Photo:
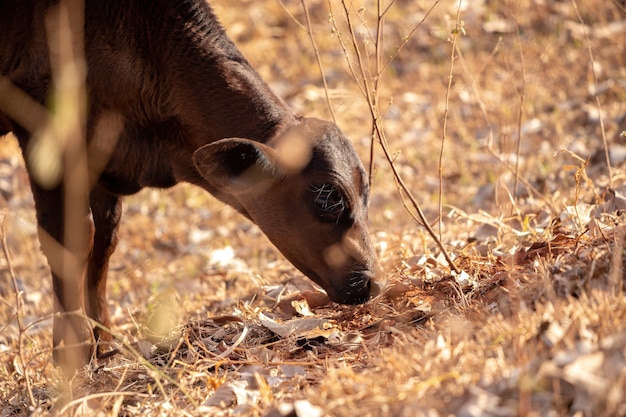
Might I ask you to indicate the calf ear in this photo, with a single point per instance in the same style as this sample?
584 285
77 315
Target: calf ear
237 165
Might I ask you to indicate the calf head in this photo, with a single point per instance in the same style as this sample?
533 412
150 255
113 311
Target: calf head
308 192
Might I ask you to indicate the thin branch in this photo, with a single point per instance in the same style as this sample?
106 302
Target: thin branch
520 114
379 48
408 37
337 32
297 22
309 30
19 305
370 96
365 83
386 8
368 93
595 92
404 188
483 109
455 34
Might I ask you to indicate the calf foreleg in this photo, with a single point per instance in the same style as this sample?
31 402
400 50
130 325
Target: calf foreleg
67 244
106 209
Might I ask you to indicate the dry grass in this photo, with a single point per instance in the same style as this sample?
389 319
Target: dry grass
213 321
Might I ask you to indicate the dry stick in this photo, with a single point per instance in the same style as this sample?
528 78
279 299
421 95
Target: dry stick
520 115
578 176
379 48
422 217
337 32
309 30
362 88
378 42
595 93
296 21
379 132
357 50
21 107
616 270
380 70
19 304
371 99
408 37
65 30
371 94
77 401
483 109
455 35
386 8
151 369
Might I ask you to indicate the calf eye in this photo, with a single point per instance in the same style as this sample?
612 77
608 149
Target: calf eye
328 201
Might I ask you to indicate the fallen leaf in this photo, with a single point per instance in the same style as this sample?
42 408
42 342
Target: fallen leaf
296 327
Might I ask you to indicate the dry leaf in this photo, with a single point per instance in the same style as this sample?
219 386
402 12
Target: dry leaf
145 348
295 327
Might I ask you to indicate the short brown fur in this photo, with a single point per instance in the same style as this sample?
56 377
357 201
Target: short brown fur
171 99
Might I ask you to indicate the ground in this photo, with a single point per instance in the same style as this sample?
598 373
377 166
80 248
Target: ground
505 121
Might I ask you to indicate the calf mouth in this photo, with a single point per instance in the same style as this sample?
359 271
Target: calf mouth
357 289
355 286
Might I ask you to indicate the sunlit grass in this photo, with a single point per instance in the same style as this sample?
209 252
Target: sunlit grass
515 335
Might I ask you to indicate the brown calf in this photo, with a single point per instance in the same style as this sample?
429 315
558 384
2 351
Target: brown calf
171 99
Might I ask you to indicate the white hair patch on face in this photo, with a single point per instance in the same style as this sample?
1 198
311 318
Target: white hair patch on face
329 200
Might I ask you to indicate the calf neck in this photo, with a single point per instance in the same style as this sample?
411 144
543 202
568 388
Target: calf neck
171 99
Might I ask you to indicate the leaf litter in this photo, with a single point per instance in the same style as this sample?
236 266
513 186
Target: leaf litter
210 320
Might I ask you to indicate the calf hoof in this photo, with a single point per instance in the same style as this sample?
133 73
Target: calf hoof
104 340
73 342
106 347
106 352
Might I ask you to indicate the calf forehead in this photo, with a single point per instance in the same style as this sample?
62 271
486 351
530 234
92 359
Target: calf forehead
339 155
334 156
327 141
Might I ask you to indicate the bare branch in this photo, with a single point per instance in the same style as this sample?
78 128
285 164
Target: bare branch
409 36
520 114
309 30
455 33
595 92
366 83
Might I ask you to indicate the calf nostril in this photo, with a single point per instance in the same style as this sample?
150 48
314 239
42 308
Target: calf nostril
356 289
359 280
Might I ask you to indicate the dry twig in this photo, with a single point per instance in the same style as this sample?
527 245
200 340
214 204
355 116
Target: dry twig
595 92
455 34
369 86
19 307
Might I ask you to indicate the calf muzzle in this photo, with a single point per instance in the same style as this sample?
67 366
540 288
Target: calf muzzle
356 291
